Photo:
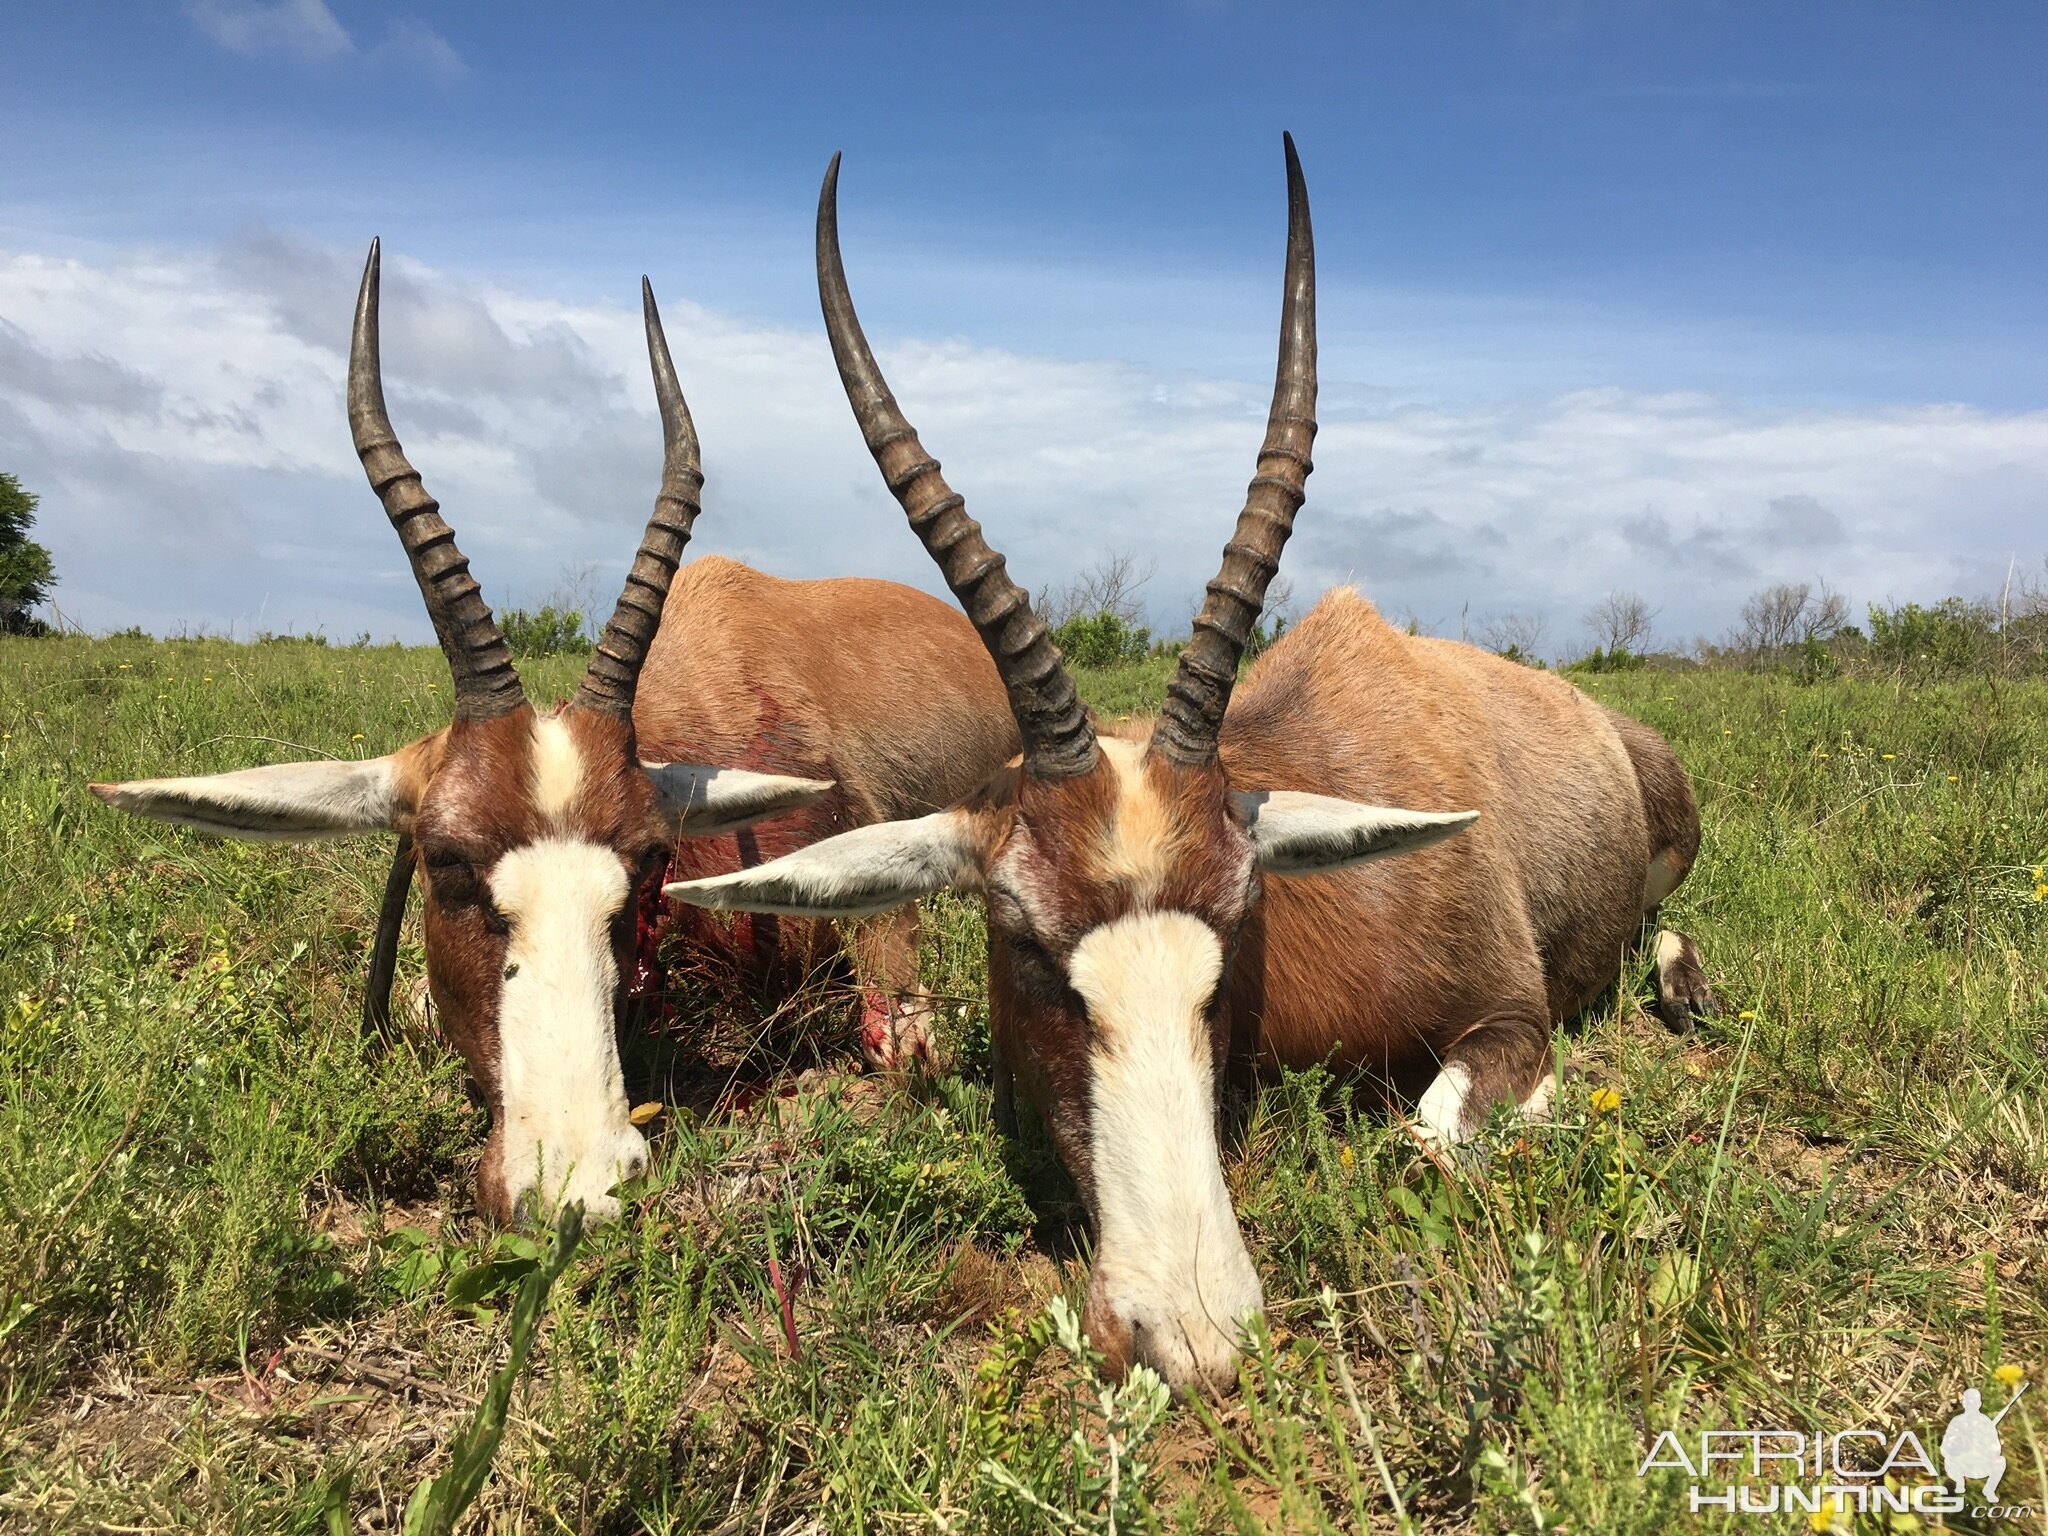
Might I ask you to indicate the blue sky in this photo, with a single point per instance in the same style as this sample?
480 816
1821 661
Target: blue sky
1542 230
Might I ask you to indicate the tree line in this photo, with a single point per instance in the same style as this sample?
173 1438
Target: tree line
1097 618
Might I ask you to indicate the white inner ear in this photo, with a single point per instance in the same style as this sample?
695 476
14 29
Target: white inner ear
286 802
705 801
1301 834
870 869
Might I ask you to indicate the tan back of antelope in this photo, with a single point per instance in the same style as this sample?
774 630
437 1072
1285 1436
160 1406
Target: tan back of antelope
1198 890
534 829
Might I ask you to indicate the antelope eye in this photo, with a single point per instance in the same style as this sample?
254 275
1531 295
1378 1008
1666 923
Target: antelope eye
1025 945
452 878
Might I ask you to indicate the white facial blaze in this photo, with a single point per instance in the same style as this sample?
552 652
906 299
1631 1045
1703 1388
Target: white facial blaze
557 766
1170 1260
565 1126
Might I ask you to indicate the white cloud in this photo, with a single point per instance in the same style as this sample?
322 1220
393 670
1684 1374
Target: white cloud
307 32
296 29
412 43
181 414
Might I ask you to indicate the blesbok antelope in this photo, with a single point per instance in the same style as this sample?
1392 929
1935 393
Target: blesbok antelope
535 829
1140 944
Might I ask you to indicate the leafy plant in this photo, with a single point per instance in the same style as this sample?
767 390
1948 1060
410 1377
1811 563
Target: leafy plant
1098 1476
439 1502
1101 640
544 631
1617 658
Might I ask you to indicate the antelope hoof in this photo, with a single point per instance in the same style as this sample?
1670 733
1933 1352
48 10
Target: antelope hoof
1684 996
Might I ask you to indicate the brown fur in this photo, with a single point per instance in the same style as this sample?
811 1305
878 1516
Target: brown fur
1521 919
876 685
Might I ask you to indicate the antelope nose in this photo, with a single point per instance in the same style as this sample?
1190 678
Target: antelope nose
633 1155
1193 1347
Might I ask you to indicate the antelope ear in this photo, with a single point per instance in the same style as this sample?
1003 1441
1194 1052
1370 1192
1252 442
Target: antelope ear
703 802
283 803
1299 834
870 869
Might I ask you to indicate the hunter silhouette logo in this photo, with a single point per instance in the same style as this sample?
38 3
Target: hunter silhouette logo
1969 1446
1827 1473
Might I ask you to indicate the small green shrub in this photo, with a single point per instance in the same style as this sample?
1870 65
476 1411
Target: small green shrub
1945 639
545 631
1101 640
1619 659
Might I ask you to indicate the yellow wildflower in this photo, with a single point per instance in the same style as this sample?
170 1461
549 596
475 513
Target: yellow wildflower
2041 891
1955 778
1823 757
2008 1376
1747 1013
125 667
1727 733
1605 1101
1825 1518
1888 756
1347 1157
357 737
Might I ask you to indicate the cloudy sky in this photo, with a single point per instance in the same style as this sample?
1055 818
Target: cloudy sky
1681 299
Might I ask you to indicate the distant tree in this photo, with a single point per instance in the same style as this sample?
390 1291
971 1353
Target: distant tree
1517 636
1110 586
1620 622
26 572
1788 616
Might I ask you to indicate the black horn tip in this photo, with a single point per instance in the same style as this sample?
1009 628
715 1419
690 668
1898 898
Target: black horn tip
657 339
366 295
828 204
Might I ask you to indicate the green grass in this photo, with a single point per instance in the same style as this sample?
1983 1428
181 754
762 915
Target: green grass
241 1286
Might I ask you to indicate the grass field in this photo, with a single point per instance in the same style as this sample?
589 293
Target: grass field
241 1287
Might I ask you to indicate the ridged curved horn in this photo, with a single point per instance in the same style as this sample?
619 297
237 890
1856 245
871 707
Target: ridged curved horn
614 670
1058 740
486 684
1200 691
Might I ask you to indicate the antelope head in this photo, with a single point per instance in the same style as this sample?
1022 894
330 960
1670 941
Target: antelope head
532 829
1118 873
